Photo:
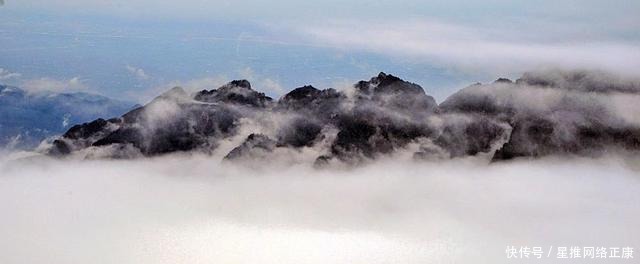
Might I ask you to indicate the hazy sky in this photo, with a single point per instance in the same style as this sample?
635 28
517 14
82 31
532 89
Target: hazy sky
136 48
595 12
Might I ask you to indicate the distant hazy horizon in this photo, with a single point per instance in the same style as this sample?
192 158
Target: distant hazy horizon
133 50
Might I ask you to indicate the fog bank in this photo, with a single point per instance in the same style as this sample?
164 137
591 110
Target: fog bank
196 209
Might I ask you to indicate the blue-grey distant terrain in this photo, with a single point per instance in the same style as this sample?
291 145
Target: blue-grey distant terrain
26 118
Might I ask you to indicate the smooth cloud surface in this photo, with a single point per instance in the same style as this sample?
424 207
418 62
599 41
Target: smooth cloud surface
196 209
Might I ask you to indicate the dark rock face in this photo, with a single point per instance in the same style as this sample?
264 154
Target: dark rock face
323 105
238 91
365 135
392 92
477 99
503 80
171 122
299 133
386 113
255 146
59 148
472 136
86 130
538 115
84 135
536 137
555 114
356 137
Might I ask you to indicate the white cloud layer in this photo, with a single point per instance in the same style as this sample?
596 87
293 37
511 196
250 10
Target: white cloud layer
41 85
496 51
194 209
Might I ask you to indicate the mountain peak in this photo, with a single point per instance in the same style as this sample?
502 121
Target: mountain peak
384 79
240 83
236 91
503 80
384 114
301 92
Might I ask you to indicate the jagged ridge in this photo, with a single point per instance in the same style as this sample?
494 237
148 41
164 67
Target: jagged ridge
538 115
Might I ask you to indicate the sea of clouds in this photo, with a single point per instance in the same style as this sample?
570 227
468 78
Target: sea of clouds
198 209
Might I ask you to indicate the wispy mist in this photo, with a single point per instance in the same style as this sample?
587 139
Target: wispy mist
493 49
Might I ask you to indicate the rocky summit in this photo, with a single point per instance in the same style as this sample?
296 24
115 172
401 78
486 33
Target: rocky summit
543 113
